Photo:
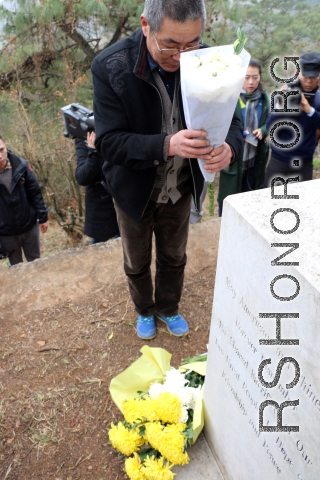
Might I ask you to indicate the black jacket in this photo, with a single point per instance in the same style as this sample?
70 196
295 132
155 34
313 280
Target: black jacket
128 119
307 126
100 216
20 210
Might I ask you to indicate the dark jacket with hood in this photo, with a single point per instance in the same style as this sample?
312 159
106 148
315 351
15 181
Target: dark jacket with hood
20 209
100 215
128 119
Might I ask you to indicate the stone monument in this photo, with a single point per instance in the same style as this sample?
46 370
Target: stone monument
262 390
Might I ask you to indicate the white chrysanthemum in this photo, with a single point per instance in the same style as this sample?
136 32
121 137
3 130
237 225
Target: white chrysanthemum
184 415
186 396
175 379
196 394
216 55
216 61
232 60
214 69
155 390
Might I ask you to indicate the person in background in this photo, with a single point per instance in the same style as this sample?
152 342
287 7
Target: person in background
253 109
297 161
150 155
100 216
22 208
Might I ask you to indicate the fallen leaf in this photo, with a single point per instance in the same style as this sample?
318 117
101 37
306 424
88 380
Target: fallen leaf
41 343
10 440
105 305
23 335
104 355
110 336
49 347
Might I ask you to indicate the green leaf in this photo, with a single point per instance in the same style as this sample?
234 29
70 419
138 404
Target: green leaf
188 433
146 451
197 358
240 42
195 379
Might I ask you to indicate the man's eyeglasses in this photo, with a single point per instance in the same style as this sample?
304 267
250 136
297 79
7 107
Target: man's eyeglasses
174 51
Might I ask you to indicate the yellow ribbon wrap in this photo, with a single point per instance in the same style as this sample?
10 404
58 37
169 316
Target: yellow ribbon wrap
151 367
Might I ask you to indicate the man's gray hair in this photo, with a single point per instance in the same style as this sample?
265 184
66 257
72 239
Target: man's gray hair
179 11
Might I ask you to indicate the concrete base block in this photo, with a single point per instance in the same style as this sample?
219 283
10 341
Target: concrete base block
202 463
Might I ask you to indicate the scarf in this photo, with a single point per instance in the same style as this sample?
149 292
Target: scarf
251 123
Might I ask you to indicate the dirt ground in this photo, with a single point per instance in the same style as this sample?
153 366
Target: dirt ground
67 328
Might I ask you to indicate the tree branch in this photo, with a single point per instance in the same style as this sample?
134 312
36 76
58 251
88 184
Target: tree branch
118 31
71 32
37 61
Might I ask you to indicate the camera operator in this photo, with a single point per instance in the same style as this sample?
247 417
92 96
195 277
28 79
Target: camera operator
288 162
100 216
22 208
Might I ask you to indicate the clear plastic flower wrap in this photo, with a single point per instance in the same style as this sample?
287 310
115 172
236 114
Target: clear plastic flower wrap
211 82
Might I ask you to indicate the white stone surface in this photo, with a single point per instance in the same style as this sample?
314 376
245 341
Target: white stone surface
233 392
202 466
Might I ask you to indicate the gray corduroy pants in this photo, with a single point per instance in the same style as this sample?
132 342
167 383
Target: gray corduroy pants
170 224
29 242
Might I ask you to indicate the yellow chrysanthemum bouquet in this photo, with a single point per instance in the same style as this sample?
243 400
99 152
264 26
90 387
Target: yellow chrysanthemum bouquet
162 409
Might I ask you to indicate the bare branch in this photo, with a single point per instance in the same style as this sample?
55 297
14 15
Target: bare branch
71 32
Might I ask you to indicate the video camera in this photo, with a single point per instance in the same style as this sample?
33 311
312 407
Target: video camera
78 121
296 99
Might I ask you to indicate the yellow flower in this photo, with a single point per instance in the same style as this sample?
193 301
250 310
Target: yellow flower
153 433
132 467
173 444
124 440
168 407
154 469
137 408
169 441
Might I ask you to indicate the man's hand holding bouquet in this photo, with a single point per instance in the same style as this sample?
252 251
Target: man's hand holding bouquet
211 81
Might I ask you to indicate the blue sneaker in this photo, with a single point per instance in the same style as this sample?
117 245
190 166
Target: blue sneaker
176 324
146 327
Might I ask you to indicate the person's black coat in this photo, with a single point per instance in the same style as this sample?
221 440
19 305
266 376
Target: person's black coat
128 122
100 216
20 209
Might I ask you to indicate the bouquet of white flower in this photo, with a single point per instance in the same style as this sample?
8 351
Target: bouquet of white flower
211 82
